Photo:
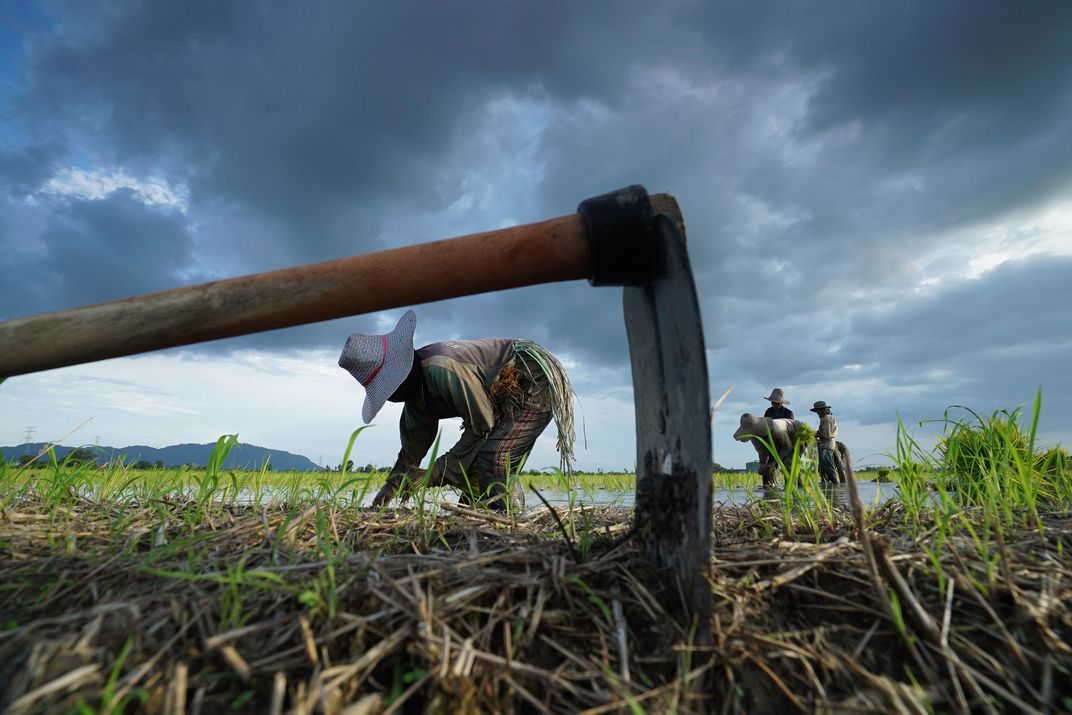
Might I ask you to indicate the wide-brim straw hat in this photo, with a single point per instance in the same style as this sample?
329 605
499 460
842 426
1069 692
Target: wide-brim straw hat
820 405
777 396
380 362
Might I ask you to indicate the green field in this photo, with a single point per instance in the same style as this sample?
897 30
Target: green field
174 590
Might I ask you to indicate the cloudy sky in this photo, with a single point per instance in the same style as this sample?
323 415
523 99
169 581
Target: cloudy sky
878 198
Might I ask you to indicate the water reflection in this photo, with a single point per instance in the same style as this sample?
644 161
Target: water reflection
872 494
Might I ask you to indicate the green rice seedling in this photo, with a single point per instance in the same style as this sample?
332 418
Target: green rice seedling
322 597
820 511
208 484
992 462
468 487
617 482
685 670
567 485
331 493
242 700
514 486
236 490
584 542
293 512
977 456
554 479
403 676
944 511
898 617
805 439
622 691
364 485
350 447
232 614
792 494
109 704
987 556
289 492
511 487
57 484
257 485
219 453
165 551
109 485
420 493
236 584
319 595
913 466
731 481
593 598
7 483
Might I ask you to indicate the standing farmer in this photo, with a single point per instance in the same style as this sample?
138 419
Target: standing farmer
505 390
778 409
831 468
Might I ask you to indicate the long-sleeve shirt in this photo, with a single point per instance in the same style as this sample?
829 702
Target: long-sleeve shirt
779 412
826 436
457 377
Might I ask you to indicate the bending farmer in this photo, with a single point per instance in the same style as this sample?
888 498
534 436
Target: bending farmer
505 391
777 411
775 441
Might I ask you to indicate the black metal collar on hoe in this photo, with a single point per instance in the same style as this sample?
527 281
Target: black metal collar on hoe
624 238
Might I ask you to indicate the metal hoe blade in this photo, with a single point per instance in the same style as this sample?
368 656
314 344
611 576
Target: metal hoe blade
670 390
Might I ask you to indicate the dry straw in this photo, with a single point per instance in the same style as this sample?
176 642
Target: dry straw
325 610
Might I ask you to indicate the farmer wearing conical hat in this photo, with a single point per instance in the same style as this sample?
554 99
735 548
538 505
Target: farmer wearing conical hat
778 409
505 390
831 468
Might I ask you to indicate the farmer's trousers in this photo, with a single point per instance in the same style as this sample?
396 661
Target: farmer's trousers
499 460
492 476
831 468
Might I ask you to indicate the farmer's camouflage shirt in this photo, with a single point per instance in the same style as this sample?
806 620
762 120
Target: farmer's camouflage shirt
458 377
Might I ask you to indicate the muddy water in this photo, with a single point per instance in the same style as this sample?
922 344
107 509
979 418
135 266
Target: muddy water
871 493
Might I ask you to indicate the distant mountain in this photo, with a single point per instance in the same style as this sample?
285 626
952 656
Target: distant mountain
241 456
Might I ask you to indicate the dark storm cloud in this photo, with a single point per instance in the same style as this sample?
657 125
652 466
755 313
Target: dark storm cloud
307 112
304 111
997 337
24 169
97 250
816 155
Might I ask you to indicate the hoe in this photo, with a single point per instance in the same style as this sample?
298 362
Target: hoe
624 238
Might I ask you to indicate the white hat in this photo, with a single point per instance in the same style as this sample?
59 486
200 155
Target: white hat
380 362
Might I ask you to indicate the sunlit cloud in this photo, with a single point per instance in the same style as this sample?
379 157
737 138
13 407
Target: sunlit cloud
97 184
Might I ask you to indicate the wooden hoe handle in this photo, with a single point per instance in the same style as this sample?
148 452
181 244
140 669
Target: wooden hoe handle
558 249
